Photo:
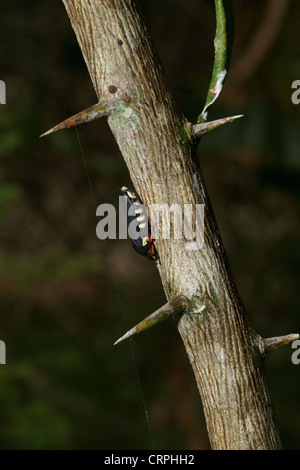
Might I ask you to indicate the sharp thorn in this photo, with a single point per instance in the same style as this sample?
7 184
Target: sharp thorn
277 341
205 127
127 335
87 115
177 305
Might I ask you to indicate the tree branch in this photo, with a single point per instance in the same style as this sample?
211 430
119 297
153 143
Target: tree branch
261 43
157 144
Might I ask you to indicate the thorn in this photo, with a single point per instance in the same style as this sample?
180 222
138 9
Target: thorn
177 305
90 114
129 333
277 341
205 127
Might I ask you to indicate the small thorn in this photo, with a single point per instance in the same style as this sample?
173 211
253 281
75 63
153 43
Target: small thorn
177 305
205 127
277 341
87 115
127 335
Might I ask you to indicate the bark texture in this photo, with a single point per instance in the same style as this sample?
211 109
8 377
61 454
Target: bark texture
157 144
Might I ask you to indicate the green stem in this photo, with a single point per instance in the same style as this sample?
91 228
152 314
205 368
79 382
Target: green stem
223 44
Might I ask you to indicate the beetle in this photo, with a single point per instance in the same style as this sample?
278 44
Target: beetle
137 213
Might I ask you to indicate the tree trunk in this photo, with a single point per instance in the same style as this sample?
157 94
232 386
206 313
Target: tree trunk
157 144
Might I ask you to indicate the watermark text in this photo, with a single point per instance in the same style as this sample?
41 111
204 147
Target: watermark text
186 221
2 92
296 94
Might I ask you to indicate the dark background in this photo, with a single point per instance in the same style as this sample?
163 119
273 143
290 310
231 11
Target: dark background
66 296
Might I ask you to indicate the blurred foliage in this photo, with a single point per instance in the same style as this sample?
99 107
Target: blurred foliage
65 296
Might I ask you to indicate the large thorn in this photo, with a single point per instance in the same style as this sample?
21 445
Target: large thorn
90 114
177 305
277 341
200 129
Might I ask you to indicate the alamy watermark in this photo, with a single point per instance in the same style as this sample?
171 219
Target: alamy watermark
2 92
296 94
296 354
188 222
2 352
